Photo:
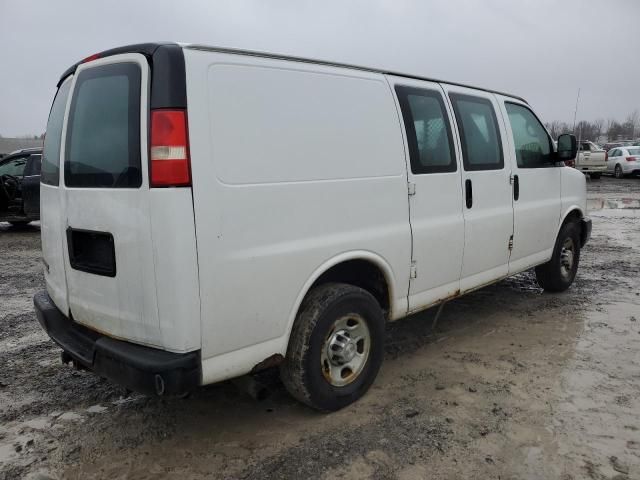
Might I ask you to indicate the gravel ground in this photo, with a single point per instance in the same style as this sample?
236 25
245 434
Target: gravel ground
512 383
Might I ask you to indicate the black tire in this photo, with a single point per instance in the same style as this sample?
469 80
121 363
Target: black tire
618 172
302 371
594 176
20 223
555 275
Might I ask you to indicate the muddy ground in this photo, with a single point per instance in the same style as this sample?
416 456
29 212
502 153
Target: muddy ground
512 383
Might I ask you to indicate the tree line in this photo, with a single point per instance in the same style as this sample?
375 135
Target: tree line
34 137
629 129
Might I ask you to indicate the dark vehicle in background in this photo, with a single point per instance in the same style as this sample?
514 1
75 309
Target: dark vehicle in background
611 145
20 186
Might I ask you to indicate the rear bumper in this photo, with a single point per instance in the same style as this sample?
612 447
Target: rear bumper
142 369
585 231
592 168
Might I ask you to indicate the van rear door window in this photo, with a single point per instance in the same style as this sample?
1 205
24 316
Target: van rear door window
103 133
479 132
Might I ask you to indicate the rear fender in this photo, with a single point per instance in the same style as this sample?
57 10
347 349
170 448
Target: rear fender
397 307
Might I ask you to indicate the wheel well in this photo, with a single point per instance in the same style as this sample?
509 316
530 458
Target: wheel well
575 216
363 274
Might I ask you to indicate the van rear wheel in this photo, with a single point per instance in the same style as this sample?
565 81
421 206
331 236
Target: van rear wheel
558 273
336 347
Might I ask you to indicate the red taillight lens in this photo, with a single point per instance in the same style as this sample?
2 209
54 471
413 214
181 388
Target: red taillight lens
630 159
570 163
606 156
169 149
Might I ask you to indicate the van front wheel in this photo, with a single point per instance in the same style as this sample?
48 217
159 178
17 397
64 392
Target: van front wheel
558 273
336 347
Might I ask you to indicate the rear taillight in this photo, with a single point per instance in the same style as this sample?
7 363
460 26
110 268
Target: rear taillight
631 159
606 156
169 149
570 163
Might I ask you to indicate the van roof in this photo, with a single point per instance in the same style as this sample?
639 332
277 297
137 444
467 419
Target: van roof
148 50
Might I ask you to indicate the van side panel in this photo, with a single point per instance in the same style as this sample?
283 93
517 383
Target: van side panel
176 267
293 164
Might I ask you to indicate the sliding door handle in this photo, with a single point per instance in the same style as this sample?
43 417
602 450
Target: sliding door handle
516 187
468 193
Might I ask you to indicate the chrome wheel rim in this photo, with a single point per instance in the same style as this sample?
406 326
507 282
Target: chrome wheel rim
618 171
567 256
345 350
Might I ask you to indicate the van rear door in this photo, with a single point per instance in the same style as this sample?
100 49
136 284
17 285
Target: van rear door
106 234
51 224
118 229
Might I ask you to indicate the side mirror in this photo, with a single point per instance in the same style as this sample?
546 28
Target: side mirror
567 147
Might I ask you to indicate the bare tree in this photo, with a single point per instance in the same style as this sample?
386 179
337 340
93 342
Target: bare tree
598 124
557 128
634 121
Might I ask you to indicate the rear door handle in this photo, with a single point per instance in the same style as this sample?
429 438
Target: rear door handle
468 192
516 187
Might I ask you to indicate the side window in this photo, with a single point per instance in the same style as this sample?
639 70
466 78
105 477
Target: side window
33 167
14 167
531 141
428 130
51 154
615 153
479 132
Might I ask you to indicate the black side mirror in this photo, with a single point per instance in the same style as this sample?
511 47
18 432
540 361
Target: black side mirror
567 147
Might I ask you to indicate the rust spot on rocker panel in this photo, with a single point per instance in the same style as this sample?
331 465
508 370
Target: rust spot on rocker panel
272 361
436 302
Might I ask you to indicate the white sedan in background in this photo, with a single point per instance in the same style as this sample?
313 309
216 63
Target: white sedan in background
624 161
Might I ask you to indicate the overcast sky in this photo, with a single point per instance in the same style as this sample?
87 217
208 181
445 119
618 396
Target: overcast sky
542 50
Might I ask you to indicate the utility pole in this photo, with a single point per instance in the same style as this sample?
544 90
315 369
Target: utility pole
575 113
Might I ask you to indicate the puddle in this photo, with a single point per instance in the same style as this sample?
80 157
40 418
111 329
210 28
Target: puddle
614 204
599 400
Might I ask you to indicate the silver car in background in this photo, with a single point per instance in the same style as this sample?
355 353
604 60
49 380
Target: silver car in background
624 161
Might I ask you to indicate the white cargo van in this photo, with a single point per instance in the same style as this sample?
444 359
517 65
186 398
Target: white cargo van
208 212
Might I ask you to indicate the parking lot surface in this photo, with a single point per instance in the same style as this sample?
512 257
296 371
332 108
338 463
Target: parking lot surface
512 383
